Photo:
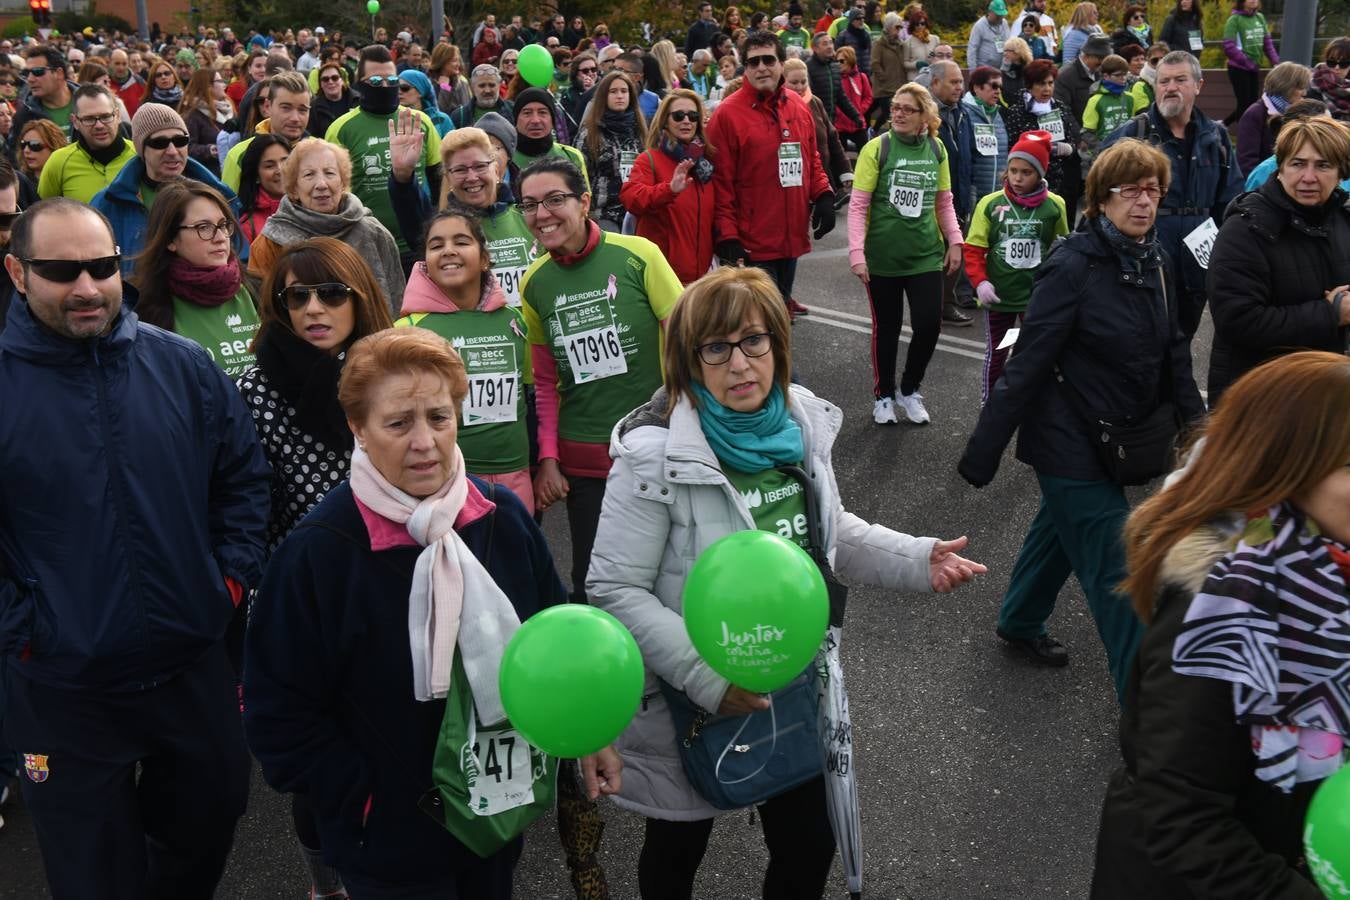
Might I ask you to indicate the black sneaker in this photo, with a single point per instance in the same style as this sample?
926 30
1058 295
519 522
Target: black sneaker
953 316
1042 649
967 303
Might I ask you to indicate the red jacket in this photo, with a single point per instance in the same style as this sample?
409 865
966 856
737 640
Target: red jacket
858 88
750 206
131 94
680 224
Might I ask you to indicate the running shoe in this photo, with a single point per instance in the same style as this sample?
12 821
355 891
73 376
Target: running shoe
883 411
913 406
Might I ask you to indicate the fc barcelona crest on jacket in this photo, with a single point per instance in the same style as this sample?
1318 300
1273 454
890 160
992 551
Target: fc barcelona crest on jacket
35 764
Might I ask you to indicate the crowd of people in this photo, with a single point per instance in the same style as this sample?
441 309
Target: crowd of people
294 326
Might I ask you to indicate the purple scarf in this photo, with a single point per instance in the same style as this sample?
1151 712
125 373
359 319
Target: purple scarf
204 286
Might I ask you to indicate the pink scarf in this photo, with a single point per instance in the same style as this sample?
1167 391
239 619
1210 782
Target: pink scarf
453 602
423 296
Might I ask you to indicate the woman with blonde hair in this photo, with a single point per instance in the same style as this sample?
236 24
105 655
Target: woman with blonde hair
902 236
1082 25
797 80
1237 708
665 54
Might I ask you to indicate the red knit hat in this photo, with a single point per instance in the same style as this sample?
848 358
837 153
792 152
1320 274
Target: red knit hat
1033 147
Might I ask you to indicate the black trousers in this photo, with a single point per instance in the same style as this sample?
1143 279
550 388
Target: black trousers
584 498
796 831
104 833
1246 90
782 271
887 298
489 879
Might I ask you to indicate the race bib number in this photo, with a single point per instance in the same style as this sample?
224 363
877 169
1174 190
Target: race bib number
590 337
509 279
1201 241
1022 253
498 771
790 166
494 383
1197 42
626 160
907 193
1052 122
986 140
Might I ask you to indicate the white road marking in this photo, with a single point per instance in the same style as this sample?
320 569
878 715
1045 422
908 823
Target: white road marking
905 334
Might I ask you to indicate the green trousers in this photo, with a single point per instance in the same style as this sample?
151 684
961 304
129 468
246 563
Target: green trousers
1077 530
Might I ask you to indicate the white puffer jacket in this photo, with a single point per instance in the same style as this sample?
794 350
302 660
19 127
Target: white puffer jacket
666 501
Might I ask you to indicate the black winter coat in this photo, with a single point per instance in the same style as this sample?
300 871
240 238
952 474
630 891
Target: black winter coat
1108 328
860 39
1269 270
828 84
1187 817
1019 119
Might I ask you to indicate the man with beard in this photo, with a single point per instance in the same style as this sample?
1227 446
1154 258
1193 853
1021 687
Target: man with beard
1205 177
82 169
486 84
133 446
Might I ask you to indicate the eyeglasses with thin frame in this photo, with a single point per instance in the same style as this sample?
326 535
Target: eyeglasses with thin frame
718 353
906 110
64 271
207 230
331 294
756 61
479 168
1133 191
553 203
99 119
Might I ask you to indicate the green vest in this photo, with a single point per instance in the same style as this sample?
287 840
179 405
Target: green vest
511 248
903 237
226 331
492 430
776 502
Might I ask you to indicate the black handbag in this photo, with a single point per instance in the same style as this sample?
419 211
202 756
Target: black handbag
1137 449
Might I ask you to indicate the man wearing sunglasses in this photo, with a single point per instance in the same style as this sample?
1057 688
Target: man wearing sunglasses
49 93
768 182
160 139
82 169
136 495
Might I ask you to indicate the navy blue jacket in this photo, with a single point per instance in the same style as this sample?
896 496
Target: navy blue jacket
328 683
957 137
131 483
1205 179
1107 327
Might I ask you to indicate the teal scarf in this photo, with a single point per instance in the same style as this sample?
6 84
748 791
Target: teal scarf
750 442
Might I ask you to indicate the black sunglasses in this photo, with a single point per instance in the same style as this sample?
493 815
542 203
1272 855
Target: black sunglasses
1339 63
331 294
754 61
684 115
34 146
8 219
164 140
64 271
36 71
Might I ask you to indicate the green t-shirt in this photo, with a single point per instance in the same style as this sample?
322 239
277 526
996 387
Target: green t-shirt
148 195
512 248
903 237
225 331
601 321
1105 112
1250 34
1018 240
61 116
571 154
776 502
492 431
366 138
799 38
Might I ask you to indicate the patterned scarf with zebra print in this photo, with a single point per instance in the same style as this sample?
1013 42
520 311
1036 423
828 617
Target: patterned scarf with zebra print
1273 618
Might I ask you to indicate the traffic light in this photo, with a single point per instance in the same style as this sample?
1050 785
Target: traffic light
41 11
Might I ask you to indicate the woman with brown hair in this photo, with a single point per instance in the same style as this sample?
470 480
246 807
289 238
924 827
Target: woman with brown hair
189 278
205 109
163 85
1236 709
611 137
447 73
35 145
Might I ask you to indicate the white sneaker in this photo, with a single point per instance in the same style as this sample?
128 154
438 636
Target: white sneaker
883 411
913 407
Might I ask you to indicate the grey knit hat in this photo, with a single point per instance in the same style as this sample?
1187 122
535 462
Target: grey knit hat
1098 45
152 117
496 125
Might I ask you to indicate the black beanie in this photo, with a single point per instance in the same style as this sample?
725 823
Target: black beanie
532 95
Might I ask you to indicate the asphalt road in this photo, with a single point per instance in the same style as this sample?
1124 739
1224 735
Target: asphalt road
979 775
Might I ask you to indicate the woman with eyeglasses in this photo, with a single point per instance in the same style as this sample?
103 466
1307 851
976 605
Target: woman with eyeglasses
262 182
594 306
725 426
1100 343
610 139
189 279
319 203
1331 79
164 85
333 97
35 145
670 189
205 110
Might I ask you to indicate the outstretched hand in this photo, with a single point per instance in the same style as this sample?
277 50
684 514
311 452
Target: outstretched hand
946 570
406 142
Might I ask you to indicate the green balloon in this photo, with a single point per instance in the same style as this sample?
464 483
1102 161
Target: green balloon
535 66
373 6
756 609
571 679
1326 835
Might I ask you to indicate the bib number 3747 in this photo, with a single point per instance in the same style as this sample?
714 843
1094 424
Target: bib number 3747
790 167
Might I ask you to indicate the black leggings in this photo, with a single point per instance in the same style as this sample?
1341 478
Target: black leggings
796 831
886 295
1246 90
584 499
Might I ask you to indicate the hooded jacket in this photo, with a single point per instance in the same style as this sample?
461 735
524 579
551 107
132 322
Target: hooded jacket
1270 267
133 485
666 501
750 206
422 84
